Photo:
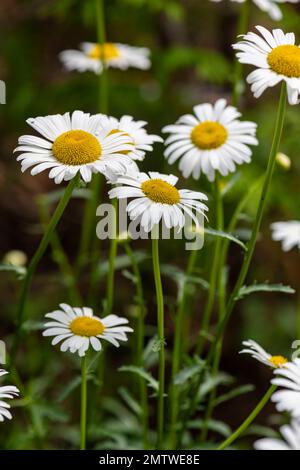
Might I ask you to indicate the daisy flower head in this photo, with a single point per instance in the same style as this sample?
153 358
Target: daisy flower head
6 392
91 56
290 441
78 328
71 144
268 6
276 58
288 233
212 139
156 198
288 397
258 353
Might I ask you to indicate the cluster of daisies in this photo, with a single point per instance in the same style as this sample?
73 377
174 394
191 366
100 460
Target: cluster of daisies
287 398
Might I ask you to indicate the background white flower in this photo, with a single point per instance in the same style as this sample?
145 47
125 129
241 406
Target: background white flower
156 198
269 6
71 144
213 139
116 55
290 441
6 392
258 353
288 233
288 398
78 328
276 58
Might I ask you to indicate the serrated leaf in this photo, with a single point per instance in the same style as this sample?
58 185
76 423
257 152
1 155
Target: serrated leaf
68 389
214 381
188 373
228 236
212 425
246 290
130 401
234 393
141 373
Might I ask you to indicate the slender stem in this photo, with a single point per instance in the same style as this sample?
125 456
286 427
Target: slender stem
160 326
242 27
177 349
101 37
242 428
112 261
140 334
35 261
83 403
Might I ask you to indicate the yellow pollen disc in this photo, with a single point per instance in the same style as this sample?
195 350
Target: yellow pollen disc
104 51
285 60
209 135
160 191
76 148
86 326
278 361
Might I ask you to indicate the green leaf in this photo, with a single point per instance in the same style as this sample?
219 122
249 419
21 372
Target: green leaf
212 382
228 236
234 393
130 401
141 373
122 262
188 373
246 290
212 425
68 389
19 271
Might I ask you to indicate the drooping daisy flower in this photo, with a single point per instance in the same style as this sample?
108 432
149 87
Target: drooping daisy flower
91 57
269 6
288 398
258 353
73 144
290 441
276 57
156 198
288 233
6 392
211 140
78 329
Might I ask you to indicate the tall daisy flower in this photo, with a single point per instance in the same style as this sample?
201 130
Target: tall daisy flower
258 353
269 6
276 58
156 198
288 233
77 329
212 139
6 392
91 57
288 397
72 144
290 441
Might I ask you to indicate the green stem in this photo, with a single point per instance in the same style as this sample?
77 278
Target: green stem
112 261
140 334
101 37
35 261
161 339
83 403
242 27
249 420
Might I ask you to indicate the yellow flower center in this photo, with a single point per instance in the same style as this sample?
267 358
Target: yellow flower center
209 135
278 361
86 326
76 148
160 191
104 51
285 60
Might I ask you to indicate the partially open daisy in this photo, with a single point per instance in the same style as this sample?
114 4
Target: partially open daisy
290 441
288 398
71 144
269 6
78 328
156 198
6 392
213 139
258 353
276 57
91 57
288 233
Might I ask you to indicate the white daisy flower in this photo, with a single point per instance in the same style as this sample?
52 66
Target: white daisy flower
269 6
276 58
211 140
71 144
258 353
91 55
288 398
6 392
78 329
290 441
288 233
156 198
